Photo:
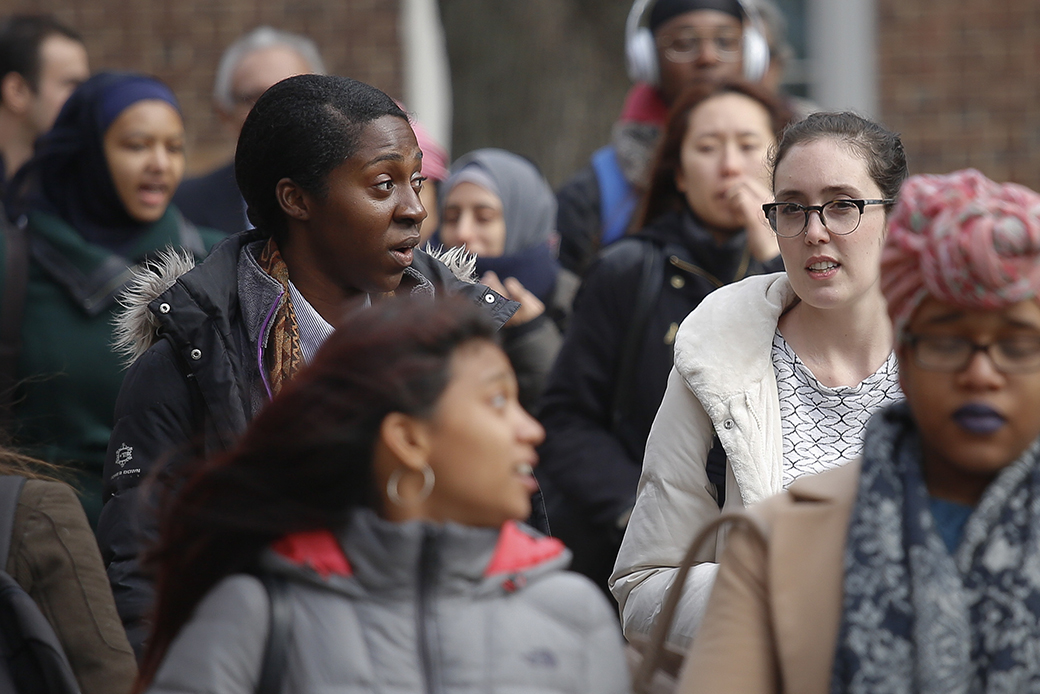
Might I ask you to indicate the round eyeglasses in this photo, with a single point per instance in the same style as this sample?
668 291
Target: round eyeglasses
790 219
686 47
1009 355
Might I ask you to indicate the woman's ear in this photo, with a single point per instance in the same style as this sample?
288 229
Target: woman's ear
293 199
407 438
680 180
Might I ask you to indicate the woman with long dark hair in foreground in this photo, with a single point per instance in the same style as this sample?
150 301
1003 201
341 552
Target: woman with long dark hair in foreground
384 483
331 172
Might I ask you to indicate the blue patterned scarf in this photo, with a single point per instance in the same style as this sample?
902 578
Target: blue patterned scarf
916 618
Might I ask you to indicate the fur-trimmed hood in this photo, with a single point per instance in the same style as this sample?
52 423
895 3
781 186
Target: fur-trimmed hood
461 262
136 327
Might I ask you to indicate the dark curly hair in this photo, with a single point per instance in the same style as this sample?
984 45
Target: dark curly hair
301 129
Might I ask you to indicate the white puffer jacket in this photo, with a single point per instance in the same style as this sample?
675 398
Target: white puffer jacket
412 607
723 382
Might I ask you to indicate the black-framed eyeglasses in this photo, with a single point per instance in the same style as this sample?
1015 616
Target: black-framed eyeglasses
685 47
1009 355
790 219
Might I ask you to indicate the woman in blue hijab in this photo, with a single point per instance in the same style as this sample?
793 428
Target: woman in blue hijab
91 206
499 207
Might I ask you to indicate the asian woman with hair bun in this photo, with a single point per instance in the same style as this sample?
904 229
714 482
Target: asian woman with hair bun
702 228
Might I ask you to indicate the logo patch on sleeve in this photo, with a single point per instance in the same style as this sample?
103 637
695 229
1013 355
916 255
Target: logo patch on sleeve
124 454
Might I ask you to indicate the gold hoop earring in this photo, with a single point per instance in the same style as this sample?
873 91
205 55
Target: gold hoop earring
395 479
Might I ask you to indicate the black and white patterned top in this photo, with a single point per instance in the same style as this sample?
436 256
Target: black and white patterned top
823 427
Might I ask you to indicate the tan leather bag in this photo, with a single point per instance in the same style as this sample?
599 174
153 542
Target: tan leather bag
652 661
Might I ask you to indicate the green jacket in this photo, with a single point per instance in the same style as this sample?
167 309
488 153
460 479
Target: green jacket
69 376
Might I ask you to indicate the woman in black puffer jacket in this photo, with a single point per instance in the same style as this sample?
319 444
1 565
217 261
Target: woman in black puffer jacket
331 172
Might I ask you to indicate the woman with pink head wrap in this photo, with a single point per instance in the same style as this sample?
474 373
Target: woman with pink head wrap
962 239
920 563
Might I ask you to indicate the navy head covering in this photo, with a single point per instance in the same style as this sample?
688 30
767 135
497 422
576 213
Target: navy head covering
663 10
529 211
69 175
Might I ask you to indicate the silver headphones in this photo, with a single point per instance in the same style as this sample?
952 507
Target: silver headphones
641 49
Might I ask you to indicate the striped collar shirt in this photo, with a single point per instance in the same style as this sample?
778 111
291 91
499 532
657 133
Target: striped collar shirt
314 329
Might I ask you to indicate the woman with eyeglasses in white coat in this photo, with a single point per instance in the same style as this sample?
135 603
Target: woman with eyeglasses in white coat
784 369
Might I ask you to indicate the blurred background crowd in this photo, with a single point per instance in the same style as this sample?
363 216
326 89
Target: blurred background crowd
607 164
546 78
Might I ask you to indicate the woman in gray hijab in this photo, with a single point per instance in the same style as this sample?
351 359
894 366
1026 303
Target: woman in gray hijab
499 207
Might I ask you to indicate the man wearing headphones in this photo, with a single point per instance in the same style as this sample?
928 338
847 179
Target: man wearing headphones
669 45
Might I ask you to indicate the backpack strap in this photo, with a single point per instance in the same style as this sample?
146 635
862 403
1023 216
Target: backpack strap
651 279
93 292
276 652
617 197
10 491
650 285
16 282
97 290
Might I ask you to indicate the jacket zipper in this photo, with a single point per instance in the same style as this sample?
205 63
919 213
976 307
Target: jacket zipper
425 632
745 261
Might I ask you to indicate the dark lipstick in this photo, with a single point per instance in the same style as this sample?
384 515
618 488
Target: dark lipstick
979 419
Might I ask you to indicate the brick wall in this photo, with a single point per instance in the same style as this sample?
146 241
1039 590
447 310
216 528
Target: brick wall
960 79
181 42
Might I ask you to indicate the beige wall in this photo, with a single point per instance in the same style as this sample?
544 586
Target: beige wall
960 79
181 42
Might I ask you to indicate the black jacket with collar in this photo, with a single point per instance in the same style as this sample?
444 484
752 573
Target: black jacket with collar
195 385
589 466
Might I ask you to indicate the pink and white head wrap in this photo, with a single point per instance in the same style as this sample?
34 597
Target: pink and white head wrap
435 157
962 239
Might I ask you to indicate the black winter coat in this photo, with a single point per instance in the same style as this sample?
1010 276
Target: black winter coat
196 389
590 467
578 221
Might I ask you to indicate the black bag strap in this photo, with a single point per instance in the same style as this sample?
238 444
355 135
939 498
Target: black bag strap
10 490
16 282
655 651
93 292
276 652
651 278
